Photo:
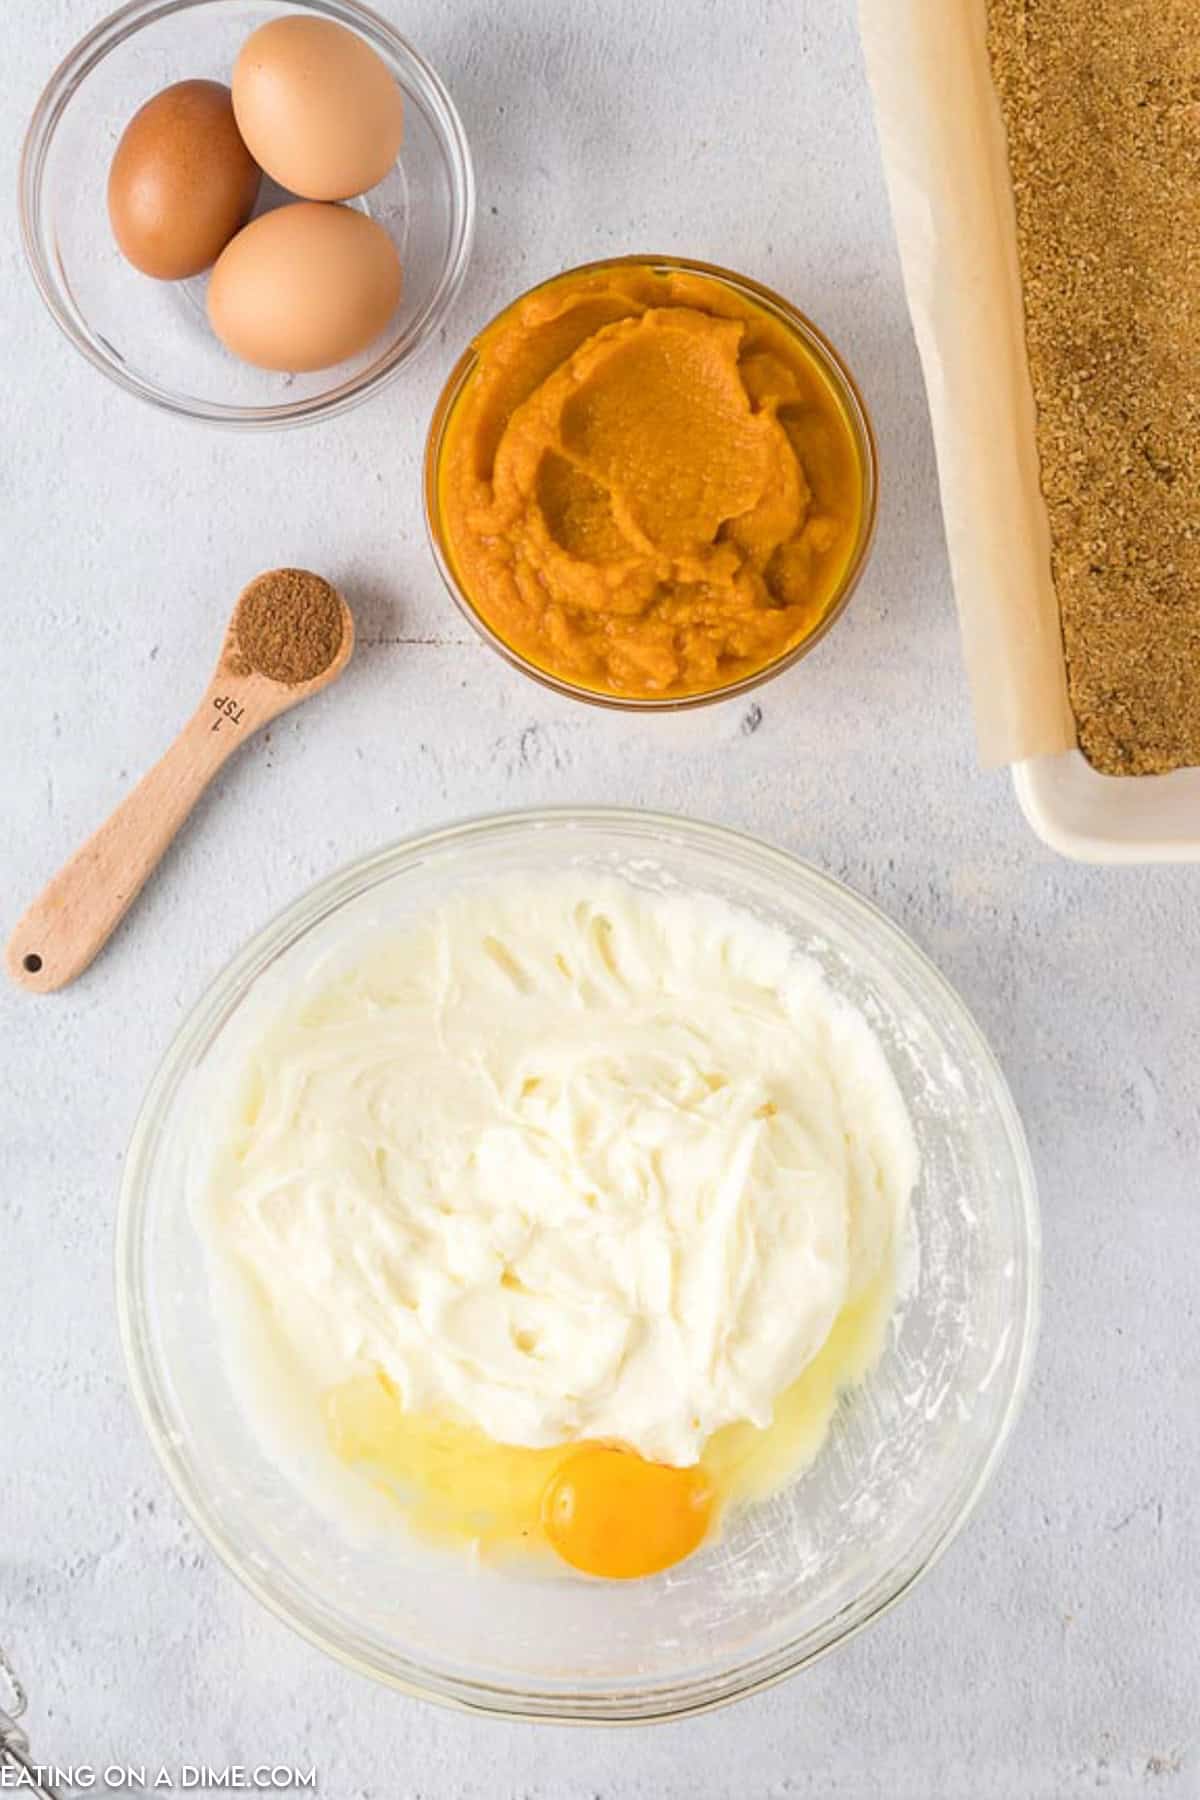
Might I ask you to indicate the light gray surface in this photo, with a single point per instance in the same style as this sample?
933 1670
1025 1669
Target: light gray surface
1055 1650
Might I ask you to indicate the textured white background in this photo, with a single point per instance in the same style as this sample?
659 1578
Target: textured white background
1055 1650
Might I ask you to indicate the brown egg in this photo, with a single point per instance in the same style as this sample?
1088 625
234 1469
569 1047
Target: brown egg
318 107
304 287
182 181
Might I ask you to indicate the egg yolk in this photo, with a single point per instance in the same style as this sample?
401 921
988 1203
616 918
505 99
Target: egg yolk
603 1509
611 1513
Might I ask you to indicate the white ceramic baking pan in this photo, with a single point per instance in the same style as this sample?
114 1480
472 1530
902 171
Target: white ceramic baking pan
942 143
1107 818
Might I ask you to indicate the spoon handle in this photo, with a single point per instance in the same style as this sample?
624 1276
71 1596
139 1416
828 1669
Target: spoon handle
73 918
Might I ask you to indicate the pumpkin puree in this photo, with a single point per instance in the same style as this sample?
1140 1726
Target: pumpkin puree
647 486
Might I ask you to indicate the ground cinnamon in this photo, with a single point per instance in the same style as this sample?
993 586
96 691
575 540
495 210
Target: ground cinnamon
288 626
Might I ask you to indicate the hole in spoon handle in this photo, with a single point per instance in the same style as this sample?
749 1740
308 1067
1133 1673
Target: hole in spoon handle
27 965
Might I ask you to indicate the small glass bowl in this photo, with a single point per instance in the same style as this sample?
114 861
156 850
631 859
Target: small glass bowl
908 1454
857 418
153 337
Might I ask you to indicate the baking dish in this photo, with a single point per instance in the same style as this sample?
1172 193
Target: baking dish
942 143
1107 818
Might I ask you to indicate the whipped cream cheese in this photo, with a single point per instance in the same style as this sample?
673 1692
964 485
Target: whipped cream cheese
566 1159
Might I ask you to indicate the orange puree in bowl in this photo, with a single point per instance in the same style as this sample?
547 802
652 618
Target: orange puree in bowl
648 486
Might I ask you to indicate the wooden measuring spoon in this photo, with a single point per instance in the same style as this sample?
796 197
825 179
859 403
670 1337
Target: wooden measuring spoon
73 918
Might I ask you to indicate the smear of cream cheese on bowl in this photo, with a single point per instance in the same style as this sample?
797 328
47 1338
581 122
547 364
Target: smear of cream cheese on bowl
563 1162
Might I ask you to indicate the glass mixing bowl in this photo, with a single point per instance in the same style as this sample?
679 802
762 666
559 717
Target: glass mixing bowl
909 1451
834 372
153 337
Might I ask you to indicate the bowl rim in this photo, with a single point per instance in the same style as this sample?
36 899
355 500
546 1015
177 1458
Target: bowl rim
618 1703
836 372
72 71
